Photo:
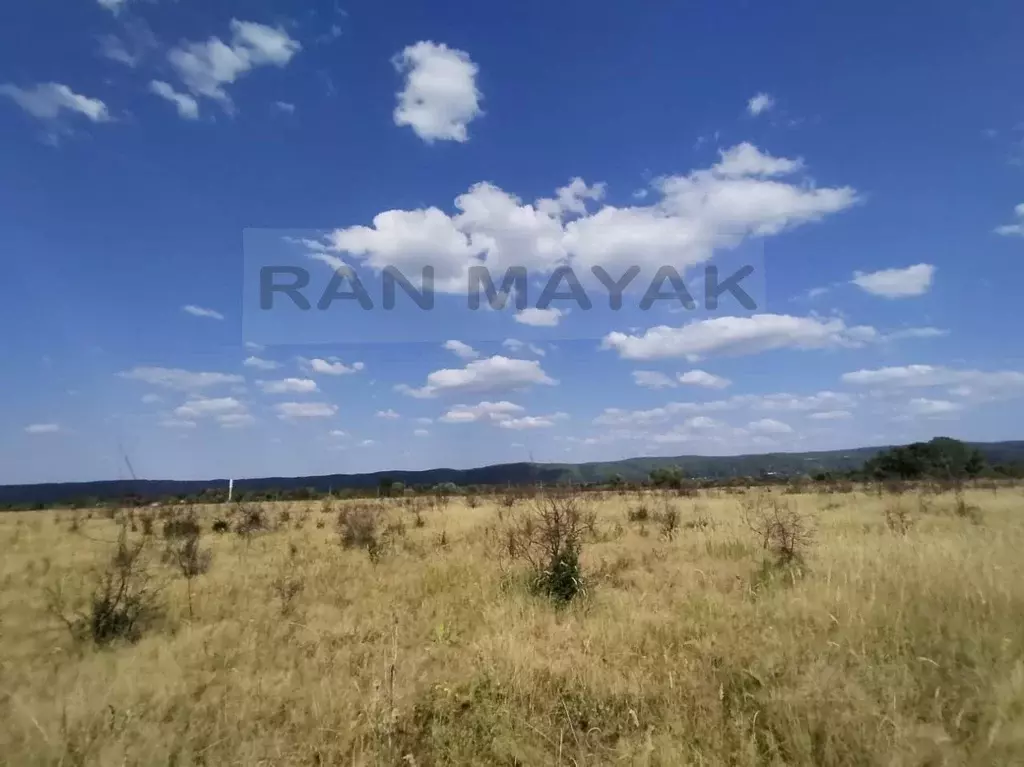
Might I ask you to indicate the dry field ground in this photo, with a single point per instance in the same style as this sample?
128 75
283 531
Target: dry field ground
899 640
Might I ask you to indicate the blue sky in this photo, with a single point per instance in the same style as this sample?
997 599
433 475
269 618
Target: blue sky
869 161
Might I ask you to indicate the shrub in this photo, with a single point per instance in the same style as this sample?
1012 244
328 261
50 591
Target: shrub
639 513
549 538
668 521
123 600
251 519
357 526
221 526
898 519
782 530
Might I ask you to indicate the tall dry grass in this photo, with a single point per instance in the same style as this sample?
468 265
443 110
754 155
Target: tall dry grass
896 647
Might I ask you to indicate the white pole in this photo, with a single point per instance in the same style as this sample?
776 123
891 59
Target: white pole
231 487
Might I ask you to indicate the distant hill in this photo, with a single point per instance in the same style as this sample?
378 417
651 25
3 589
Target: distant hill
630 469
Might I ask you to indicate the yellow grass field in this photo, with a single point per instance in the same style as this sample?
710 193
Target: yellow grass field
884 649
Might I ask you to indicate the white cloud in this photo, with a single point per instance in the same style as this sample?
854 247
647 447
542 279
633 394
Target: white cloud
424 420
200 408
182 380
492 374
47 100
440 97
285 106
235 420
461 350
367 443
532 421
691 217
515 345
337 433
897 283
651 379
738 335
293 410
260 364
931 407
540 318
483 411
177 423
1016 229
832 415
138 43
769 426
421 433
151 399
704 379
198 311
330 367
760 103
42 428
187 106
288 386
780 402
899 335
972 384
206 68
114 6
389 415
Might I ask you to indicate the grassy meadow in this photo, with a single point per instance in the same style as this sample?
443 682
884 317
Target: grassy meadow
893 635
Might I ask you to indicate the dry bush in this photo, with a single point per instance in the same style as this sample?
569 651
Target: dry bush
898 519
781 529
668 520
192 561
639 513
123 600
251 519
549 538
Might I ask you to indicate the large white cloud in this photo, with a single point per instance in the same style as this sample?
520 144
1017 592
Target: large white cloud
738 335
897 283
206 68
487 375
330 367
746 194
440 97
46 101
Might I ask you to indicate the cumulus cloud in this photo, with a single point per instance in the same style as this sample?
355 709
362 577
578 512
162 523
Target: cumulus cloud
738 335
759 104
296 410
483 411
187 106
181 380
440 97
461 350
203 407
492 374
199 311
206 68
651 379
897 283
330 367
703 379
929 408
288 386
972 384
746 194
769 426
532 421
1015 229
47 101
260 364
539 318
